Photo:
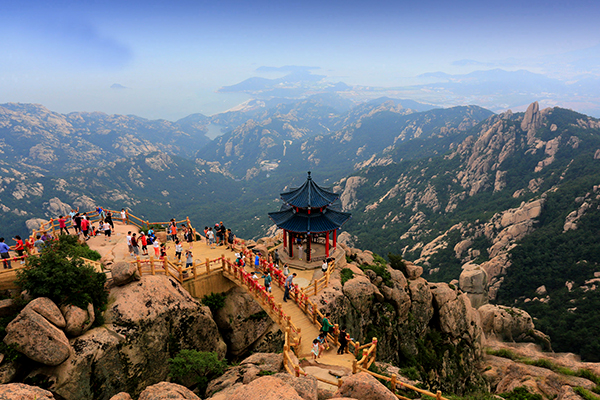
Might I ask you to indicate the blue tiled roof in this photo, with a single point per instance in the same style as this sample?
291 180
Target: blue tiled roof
309 195
290 220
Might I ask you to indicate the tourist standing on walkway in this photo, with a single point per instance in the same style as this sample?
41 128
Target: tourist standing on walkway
211 238
156 245
172 230
343 341
230 238
77 222
300 249
124 216
268 280
289 281
4 253
109 220
276 257
315 349
223 233
189 259
62 224
286 270
178 249
326 328
39 244
107 230
134 244
129 246
19 248
144 243
85 226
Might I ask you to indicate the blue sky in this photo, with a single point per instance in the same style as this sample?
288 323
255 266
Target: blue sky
170 57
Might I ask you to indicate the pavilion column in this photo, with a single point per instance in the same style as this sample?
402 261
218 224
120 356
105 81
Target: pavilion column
327 244
284 239
308 248
334 238
291 245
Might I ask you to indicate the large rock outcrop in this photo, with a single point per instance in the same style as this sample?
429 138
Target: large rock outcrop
147 322
410 318
245 326
34 334
364 387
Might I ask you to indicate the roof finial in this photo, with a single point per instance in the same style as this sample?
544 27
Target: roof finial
308 175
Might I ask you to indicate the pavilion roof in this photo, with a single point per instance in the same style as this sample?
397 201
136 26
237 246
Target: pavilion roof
309 195
302 222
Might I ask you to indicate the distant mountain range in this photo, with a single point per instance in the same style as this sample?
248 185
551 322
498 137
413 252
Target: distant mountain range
495 89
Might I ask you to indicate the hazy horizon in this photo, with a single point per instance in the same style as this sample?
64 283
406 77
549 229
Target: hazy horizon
166 60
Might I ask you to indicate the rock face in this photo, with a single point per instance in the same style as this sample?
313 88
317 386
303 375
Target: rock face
167 390
505 323
410 318
36 337
505 375
20 391
124 273
148 322
265 388
363 386
245 325
474 281
77 319
247 371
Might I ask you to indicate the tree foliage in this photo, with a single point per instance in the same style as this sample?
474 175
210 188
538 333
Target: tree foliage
200 366
61 275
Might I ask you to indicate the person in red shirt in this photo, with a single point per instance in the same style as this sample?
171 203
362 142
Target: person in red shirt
19 248
62 224
144 242
85 227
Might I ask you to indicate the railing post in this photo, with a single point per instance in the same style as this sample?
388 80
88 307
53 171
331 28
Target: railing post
139 264
297 369
165 266
223 262
354 367
315 282
336 334
207 265
180 273
152 268
356 349
194 269
340 382
393 383
438 395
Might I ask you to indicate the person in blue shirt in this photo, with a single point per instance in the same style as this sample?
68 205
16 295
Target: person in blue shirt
4 253
288 286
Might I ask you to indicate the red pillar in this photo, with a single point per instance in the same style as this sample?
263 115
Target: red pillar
335 238
284 238
327 244
291 244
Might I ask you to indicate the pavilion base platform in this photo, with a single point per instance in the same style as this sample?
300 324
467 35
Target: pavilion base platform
317 257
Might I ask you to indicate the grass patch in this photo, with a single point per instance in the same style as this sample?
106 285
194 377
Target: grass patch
346 274
504 353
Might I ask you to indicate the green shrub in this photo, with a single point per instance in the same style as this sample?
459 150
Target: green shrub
346 274
380 270
59 274
214 301
200 366
521 393
396 262
410 373
70 246
586 394
505 353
